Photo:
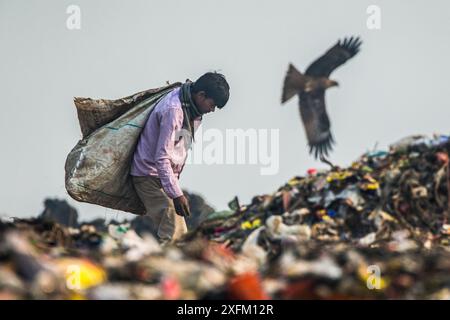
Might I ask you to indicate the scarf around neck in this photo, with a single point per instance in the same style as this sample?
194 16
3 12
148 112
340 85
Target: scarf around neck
190 110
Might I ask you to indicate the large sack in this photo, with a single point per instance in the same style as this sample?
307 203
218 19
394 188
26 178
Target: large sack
98 167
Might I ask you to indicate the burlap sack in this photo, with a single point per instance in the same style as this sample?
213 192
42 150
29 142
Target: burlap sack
98 167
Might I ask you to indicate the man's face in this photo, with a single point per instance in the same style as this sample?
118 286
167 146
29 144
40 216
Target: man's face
203 103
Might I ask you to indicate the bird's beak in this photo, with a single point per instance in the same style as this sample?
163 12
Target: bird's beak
332 83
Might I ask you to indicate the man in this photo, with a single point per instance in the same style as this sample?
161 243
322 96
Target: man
162 151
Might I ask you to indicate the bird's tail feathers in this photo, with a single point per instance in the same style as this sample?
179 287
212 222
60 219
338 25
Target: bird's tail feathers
294 81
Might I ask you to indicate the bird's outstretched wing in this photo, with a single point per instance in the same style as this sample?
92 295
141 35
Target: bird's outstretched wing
316 123
334 57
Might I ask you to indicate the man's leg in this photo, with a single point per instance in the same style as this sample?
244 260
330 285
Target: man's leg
160 208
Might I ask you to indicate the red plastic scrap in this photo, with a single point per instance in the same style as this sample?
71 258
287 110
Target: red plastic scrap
246 286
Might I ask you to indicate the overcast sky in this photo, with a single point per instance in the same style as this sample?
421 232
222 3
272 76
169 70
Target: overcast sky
396 86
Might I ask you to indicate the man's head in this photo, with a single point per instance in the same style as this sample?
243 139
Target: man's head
211 90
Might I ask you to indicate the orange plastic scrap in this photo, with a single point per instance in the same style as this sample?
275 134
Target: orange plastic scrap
247 286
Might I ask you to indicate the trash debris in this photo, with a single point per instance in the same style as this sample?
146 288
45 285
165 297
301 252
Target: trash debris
379 229
247 286
60 211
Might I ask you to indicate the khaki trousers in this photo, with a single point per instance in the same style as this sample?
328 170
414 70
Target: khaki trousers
169 226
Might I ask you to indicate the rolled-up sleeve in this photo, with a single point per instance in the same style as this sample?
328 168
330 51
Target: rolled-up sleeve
171 121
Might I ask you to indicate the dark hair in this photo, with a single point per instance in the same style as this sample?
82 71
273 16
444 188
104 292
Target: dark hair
215 87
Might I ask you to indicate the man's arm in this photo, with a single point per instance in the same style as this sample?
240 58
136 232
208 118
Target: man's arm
170 122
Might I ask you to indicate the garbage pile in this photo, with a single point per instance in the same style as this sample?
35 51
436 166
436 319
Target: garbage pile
406 188
378 229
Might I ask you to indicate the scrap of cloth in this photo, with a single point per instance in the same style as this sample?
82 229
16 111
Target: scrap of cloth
162 147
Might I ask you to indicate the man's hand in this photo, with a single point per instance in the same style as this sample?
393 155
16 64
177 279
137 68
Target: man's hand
182 206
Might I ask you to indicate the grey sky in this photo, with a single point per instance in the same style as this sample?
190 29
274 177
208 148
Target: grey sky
396 86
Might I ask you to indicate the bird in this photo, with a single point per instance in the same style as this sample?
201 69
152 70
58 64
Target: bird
310 88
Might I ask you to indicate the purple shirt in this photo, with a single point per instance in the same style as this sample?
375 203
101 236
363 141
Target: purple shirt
156 153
